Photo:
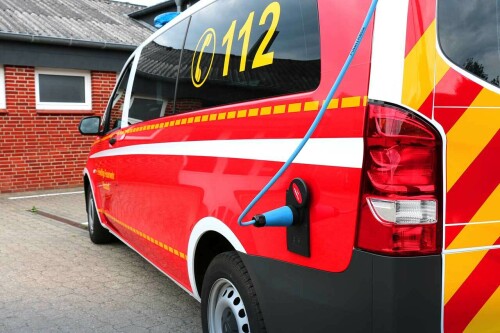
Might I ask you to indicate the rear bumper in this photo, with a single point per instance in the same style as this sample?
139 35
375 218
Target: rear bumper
375 294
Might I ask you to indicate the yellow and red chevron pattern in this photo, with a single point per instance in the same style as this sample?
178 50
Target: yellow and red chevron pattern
470 116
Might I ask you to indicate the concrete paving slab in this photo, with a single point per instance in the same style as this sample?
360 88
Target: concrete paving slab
54 279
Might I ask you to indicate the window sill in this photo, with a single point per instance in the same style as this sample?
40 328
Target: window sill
65 112
4 111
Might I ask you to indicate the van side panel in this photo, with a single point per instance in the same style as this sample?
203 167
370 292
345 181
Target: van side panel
334 189
171 172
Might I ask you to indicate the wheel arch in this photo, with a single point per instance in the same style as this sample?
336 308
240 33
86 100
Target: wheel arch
208 238
86 189
88 186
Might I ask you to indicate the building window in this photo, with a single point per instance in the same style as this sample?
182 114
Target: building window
2 88
63 89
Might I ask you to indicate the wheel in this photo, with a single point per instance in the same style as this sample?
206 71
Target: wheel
228 301
98 234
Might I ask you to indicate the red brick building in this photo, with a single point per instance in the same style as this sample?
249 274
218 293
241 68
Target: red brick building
58 62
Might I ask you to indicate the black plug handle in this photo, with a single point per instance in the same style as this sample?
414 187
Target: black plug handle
260 220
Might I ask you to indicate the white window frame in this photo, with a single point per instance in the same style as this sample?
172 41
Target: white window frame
3 103
86 106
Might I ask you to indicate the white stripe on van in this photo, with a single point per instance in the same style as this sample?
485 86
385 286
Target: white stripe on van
388 51
339 152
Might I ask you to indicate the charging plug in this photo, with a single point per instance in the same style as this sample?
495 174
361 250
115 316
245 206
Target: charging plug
280 217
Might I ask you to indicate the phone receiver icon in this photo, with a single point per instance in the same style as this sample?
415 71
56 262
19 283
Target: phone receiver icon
206 43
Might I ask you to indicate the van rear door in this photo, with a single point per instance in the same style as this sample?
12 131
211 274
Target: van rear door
449 62
467 104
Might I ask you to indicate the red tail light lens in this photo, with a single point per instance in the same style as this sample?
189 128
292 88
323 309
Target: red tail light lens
399 213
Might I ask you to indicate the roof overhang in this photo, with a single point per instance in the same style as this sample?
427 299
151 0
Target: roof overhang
10 36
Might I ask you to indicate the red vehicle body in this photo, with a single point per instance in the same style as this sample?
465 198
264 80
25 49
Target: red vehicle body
408 126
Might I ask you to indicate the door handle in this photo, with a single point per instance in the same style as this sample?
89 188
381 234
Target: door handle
112 141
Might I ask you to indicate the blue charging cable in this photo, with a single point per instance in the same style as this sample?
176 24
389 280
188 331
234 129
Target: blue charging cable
317 120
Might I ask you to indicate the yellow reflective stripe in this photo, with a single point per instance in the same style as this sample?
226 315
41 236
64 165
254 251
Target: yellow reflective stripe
459 267
334 104
279 109
442 68
487 316
347 102
420 65
253 112
242 114
295 107
477 235
311 106
487 98
470 135
489 210
351 102
265 111
145 236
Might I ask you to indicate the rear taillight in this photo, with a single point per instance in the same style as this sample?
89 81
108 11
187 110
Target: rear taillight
401 191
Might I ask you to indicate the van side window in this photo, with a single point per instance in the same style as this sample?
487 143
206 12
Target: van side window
114 112
156 76
469 35
253 50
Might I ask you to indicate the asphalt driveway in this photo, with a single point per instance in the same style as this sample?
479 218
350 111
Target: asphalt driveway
53 279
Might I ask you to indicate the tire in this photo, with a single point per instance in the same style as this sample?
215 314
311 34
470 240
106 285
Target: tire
228 300
98 234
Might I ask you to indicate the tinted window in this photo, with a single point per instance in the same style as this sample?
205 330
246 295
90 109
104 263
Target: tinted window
61 88
156 76
469 33
115 108
243 50
142 109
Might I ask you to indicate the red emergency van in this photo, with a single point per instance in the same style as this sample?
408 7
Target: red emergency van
395 220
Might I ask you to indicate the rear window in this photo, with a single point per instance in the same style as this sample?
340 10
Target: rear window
469 34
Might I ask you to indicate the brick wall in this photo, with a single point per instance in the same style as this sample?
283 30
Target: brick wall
43 149
186 105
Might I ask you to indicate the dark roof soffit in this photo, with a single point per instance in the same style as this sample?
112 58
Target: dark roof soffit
65 42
